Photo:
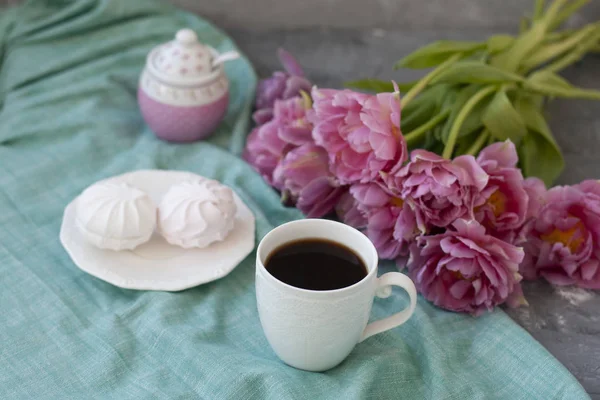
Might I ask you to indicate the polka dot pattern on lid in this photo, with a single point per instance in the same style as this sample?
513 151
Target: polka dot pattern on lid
184 57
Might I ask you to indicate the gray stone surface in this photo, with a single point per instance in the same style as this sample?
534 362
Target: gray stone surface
355 14
565 320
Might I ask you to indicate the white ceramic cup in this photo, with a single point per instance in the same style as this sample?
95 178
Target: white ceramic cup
316 330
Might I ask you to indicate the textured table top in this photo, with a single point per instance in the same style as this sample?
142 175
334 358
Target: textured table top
565 320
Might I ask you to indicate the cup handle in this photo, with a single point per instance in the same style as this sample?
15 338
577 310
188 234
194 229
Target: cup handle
384 290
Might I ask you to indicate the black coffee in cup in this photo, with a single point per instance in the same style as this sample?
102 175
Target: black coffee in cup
316 264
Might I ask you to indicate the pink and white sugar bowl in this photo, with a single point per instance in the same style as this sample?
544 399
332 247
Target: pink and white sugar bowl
183 91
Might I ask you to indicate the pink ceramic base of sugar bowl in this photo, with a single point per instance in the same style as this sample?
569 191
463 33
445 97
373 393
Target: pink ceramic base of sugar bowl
183 91
181 123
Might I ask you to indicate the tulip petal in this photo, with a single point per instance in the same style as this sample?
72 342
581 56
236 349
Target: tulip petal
460 288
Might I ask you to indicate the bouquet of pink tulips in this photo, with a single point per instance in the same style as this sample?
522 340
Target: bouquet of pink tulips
467 227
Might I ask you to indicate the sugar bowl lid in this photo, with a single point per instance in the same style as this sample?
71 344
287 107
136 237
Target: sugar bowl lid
184 60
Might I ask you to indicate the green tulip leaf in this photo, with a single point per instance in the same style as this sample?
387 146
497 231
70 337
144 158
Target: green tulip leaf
466 142
502 120
456 104
422 108
432 142
414 117
529 109
510 59
540 158
447 101
437 134
498 43
539 153
550 84
475 72
378 86
436 53
418 135
474 121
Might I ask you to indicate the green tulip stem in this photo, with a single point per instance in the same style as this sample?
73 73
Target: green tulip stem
564 62
524 23
462 115
549 52
575 54
552 14
567 12
479 143
413 136
539 9
555 36
422 84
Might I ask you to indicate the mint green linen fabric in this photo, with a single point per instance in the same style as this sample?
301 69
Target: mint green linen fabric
69 117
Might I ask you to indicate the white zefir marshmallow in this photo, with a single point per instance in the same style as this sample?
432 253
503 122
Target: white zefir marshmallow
115 216
196 213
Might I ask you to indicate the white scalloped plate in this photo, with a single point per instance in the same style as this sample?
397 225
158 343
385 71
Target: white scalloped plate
156 264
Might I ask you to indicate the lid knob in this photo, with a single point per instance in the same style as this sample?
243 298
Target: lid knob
186 37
